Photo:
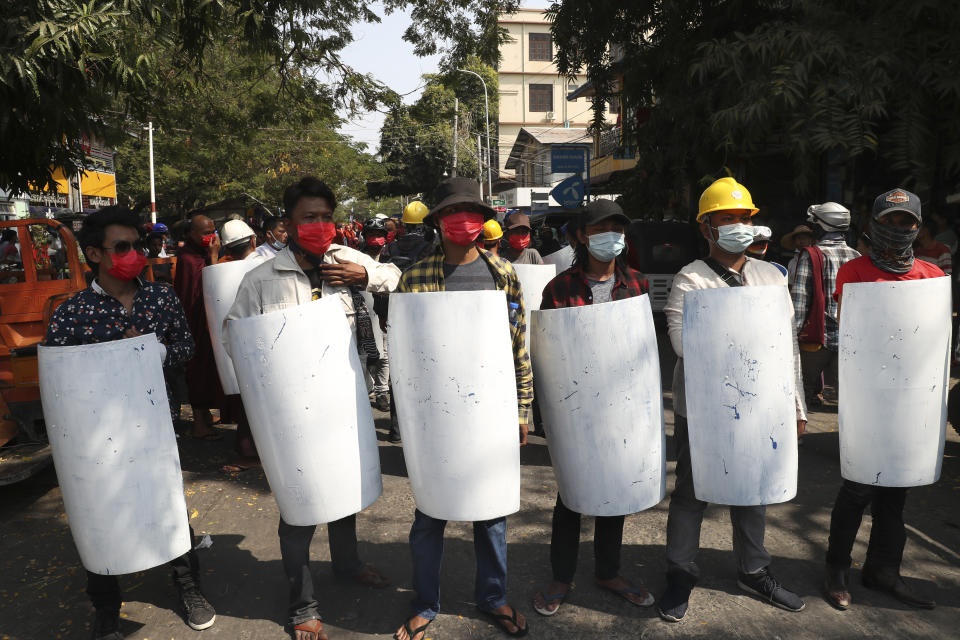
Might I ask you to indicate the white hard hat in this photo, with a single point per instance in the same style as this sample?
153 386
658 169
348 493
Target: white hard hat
762 234
381 216
234 232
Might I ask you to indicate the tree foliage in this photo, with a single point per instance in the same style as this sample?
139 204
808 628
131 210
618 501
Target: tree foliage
720 82
416 141
229 131
67 65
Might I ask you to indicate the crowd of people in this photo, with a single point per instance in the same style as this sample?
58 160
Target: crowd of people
458 245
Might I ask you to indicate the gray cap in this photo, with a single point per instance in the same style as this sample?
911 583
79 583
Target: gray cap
897 200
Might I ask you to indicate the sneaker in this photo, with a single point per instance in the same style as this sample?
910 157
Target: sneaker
383 403
106 625
200 613
763 584
673 603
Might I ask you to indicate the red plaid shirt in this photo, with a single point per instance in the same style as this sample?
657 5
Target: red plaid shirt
571 289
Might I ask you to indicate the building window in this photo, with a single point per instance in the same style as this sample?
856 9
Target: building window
541 48
541 98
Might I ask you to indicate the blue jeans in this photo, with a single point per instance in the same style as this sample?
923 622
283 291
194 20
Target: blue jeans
426 547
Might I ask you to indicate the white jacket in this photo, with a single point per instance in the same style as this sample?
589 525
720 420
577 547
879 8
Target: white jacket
280 283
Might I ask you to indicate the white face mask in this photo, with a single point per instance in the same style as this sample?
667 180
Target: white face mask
606 246
734 238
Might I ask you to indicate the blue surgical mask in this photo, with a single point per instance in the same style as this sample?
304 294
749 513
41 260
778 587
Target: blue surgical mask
734 238
606 246
279 246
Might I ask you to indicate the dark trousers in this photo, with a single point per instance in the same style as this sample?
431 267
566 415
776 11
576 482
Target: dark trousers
686 516
295 552
815 364
104 591
888 535
426 547
565 543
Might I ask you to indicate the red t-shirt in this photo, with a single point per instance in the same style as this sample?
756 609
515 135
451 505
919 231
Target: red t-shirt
863 270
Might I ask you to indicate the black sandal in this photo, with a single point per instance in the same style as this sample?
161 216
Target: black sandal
413 633
499 618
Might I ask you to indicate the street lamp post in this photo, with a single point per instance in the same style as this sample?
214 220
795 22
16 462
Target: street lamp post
486 106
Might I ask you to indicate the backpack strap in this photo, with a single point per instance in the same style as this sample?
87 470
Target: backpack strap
724 273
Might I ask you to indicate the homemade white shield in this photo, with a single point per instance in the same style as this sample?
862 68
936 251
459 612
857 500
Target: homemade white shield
893 370
562 258
533 278
304 394
454 384
740 391
115 452
220 285
601 403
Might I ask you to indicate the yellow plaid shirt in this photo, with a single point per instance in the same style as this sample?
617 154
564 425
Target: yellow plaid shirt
427 275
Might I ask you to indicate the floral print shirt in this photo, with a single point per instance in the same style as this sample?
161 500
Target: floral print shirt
93 316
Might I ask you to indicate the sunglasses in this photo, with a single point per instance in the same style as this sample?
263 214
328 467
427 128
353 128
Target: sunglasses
124 246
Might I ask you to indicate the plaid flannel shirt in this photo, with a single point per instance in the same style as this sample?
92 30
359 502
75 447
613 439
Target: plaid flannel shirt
836 253
571 289
427 275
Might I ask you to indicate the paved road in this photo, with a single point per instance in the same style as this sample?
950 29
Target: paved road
41 583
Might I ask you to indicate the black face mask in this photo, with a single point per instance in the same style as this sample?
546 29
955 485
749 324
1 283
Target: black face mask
892 247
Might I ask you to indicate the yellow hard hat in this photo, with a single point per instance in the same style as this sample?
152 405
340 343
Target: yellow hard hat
725 194
414 213
492 231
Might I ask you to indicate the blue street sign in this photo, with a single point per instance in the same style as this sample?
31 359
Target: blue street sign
567 159
569 193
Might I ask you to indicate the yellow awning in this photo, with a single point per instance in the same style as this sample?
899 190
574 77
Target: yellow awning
95 184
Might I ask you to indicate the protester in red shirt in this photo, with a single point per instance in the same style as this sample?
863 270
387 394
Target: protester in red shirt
893 229
929 250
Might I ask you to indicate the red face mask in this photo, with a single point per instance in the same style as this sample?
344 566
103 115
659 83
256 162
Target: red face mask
207 240
462 228
519 242
378 241
316 237
391 236
127 266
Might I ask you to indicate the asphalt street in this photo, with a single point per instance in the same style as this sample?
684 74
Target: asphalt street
42 582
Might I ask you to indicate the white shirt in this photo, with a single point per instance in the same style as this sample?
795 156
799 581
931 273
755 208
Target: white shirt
266 251
699 275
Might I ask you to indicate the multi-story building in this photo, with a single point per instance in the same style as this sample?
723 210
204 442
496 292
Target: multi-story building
533 96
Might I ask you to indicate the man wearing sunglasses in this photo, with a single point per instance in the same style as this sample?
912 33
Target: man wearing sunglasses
118 305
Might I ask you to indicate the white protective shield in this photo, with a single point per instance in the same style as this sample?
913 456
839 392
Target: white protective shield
533 278
894 372
562 258
740 392
303 392
454 384
602 406
115 452
220 285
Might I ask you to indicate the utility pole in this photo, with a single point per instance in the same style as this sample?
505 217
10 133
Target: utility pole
153 189
479 161
456 108
486 106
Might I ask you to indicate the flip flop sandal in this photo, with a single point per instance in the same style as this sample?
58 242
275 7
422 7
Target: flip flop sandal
314 627
413 633
547 601
637 590
499 618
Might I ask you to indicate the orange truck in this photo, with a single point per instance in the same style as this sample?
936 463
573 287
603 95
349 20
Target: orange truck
40 266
